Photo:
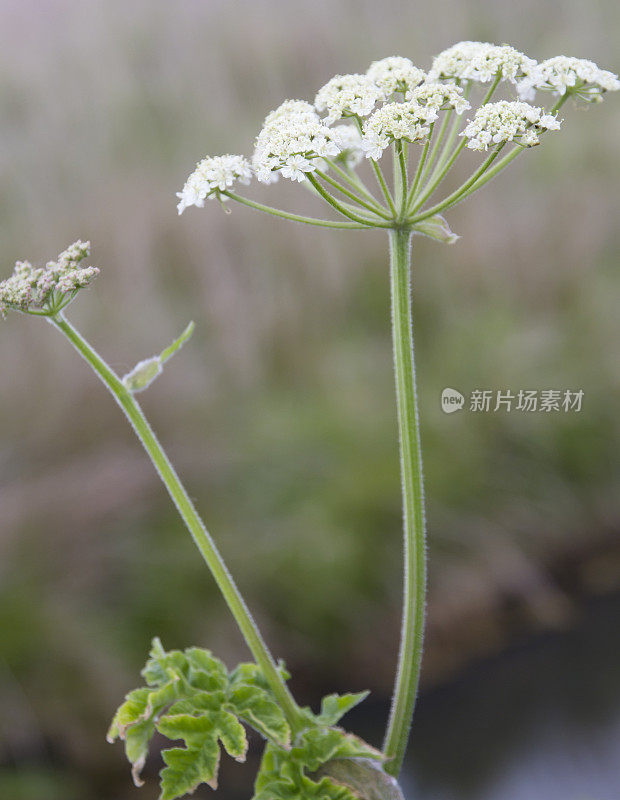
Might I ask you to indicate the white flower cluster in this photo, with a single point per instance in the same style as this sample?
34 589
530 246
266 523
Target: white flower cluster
575 75
507 121
212 175
481 61
292 139
348 95
399 101
409 121
46 288
441 97
395 74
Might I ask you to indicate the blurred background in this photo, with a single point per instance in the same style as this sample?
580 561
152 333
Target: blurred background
280 413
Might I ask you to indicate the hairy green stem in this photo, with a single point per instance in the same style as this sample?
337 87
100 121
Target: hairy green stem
383 185
352 195
414 594
460 193
353 179
456 122
342 209
421 168
276 212
190 516
401 151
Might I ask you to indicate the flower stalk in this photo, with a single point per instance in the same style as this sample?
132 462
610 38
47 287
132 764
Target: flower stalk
412 485
181 499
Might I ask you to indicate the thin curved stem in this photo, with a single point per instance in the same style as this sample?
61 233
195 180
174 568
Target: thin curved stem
352 195
434 182
445 163
421 168
276 212
401 150
186 509
459 193
487 174
452 135
340 208
414 593
355 182
383 185
492 89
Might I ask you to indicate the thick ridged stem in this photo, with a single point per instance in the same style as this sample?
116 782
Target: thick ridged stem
414 590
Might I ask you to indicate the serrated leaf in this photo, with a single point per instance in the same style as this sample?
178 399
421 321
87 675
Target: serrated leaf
252 674
335 706
318 745
254 705
199 761
280 778
191 696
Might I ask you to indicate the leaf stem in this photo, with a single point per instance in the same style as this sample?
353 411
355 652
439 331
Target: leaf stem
186 509
414 594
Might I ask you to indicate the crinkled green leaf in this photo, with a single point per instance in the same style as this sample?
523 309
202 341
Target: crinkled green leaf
335 706
287 775
191 696
199 761
282 778
318 745
254 705
252 674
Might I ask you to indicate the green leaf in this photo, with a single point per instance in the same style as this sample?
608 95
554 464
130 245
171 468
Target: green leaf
145 372
190 695
363 777
437 228
199 761
288 775
318 745
335 706
254 705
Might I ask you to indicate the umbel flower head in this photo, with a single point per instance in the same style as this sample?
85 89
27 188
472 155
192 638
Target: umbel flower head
501 122
577 76
481 61
47 290
396 105
211 177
